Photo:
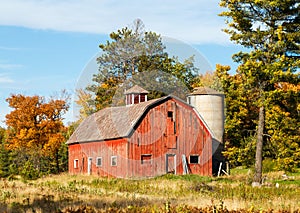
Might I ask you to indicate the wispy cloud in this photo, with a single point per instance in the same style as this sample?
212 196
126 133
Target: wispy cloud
193 20
9 48
4 66
5 78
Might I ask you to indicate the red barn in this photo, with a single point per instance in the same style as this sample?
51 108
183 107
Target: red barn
142 139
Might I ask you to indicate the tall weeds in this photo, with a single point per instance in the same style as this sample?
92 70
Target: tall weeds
166 193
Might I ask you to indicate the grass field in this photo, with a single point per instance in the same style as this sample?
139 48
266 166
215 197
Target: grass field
169 193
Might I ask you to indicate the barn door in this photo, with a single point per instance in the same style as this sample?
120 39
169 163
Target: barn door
90 160
171 163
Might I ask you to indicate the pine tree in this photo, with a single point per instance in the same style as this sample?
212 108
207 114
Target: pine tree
270 29
134 56
4 156
4 161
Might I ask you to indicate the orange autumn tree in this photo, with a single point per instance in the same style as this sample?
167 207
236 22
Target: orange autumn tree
35 127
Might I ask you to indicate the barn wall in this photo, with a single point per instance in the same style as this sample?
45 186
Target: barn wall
104 150
167 132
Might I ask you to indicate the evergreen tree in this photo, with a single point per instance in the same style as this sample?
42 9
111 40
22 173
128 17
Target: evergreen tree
270 29
4 157
133 54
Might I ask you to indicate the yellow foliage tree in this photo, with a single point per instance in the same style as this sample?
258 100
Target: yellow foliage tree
36 125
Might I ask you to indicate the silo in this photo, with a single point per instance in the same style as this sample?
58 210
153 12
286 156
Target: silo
210 105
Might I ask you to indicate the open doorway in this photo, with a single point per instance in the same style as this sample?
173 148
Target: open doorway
171 163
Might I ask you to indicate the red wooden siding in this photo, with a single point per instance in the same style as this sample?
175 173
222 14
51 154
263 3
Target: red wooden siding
167 131
104 150
167 136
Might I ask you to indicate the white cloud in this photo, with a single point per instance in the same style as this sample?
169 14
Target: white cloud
4 78
9 48
9 66
193 21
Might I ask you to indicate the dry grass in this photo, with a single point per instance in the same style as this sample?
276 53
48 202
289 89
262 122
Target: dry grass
64 192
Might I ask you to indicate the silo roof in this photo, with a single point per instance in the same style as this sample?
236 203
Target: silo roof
205 91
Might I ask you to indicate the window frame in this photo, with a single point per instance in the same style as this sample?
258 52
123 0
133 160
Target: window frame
116 160
97 165
76 163
192 162
146 161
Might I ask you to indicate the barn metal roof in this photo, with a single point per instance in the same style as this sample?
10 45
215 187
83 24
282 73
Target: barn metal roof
108 123
115 122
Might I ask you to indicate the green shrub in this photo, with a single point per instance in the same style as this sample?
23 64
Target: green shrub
29 172
269 165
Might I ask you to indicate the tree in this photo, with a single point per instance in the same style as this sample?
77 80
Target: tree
132 52
4 155
86 103
35 129
282 123
209 79
2 134
270 29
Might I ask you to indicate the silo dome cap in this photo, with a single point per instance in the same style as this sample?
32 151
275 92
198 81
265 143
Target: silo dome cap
205 91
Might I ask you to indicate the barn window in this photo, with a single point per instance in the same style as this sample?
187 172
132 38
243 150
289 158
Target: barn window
99 161
170 114
113 161
146 159
194 159
76 163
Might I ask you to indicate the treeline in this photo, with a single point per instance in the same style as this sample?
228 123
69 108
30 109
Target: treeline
33 144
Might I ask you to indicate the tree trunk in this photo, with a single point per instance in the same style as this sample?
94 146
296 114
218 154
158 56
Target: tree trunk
259 146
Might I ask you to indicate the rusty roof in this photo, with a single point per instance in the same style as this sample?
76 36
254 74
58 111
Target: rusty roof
205 91
117 122
136 90
109 123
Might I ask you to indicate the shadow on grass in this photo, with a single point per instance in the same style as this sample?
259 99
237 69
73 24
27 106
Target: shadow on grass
47 204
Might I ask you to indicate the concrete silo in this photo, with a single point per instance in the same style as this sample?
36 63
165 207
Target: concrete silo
210 105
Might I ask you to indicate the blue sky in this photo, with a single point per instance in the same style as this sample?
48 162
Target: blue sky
46 44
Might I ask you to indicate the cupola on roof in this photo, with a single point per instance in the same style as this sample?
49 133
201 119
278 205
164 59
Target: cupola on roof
135 95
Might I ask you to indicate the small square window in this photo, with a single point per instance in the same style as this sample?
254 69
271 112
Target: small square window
76 163
113 160
170 114
146 159
99 161
194 159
